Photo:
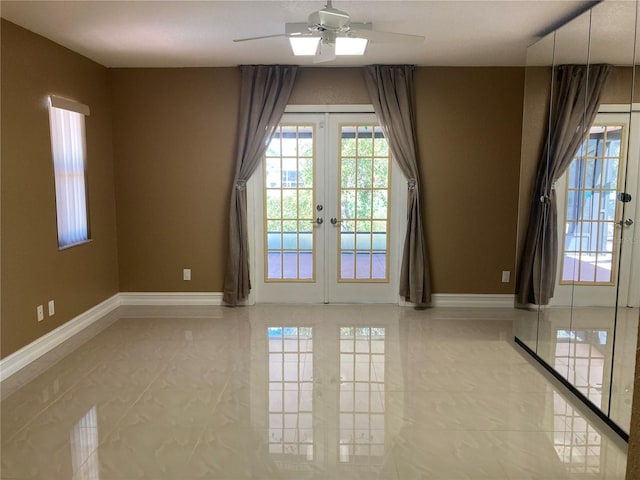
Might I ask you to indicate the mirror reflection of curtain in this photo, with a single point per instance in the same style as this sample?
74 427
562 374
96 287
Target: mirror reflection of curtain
573 111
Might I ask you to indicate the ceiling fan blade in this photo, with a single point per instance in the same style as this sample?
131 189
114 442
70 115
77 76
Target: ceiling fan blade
378 36
296 29
291 30
327 53
261 37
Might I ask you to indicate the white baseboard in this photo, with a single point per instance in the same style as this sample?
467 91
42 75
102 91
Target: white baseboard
36 349
170 298
31 352
215 298
468 300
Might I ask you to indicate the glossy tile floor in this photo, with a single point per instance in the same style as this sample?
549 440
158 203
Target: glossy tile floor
322 392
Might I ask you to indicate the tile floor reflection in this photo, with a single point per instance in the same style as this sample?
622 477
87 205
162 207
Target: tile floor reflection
591 350
321 392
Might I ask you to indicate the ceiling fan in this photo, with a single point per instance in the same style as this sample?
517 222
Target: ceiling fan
328 25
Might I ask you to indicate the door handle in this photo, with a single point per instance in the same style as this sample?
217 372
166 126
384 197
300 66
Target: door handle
335 221
317 221
625 223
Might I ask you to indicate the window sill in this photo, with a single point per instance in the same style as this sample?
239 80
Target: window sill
83 242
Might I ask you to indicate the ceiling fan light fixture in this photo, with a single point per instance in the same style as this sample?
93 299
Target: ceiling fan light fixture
351 46
304 45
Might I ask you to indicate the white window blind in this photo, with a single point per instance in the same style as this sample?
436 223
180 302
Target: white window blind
69 161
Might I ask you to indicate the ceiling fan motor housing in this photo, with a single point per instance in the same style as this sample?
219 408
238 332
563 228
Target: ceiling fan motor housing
329 18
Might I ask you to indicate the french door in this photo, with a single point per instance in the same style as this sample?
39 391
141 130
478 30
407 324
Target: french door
326 212
596 200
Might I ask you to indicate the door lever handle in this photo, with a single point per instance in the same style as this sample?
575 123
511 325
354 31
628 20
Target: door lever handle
335 221
625 223
318 221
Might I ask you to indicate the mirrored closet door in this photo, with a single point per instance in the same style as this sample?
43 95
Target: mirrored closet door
581 144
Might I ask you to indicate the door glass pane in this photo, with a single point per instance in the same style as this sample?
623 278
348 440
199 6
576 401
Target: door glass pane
364 193
289 200
589 254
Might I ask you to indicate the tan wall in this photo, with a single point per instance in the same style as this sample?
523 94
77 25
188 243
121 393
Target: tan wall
469 130
329 86
33 269
174 140
173 154
618 87
174 137
636 85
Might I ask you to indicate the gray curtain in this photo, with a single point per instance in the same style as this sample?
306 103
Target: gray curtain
391 91
264 93
573 110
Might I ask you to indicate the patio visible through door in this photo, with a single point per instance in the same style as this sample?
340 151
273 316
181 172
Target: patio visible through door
324 229
595 265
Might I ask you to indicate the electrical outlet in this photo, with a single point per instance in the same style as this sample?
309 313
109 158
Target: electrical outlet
40 311
52 308
506 276
186 274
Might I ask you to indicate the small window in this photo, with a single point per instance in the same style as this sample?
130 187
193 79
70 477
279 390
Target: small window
69 163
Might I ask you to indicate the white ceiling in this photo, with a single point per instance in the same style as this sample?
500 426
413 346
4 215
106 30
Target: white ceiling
200 33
